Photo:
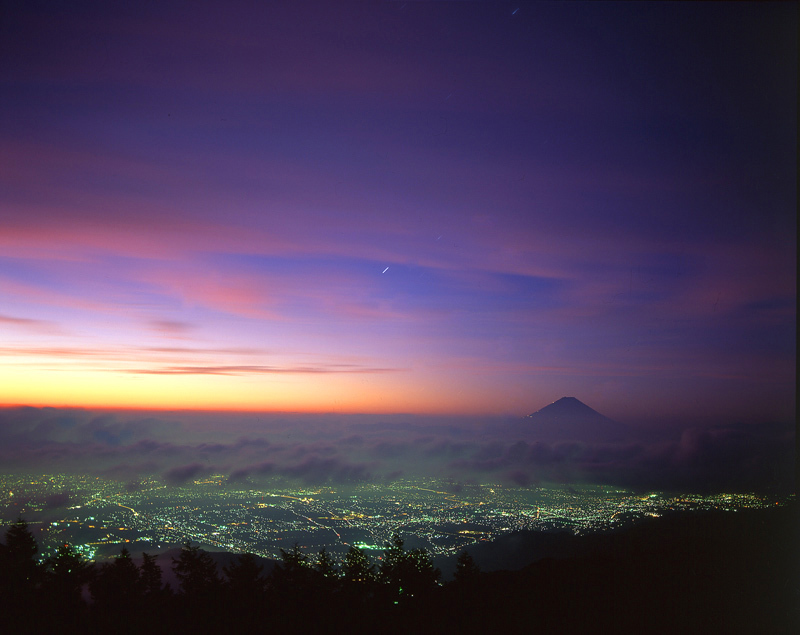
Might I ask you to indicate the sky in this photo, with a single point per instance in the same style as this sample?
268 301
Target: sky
435 208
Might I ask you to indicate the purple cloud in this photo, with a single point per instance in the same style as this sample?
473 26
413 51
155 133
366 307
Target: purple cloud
183 473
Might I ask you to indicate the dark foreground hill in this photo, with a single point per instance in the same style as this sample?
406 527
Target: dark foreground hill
712 572
720 572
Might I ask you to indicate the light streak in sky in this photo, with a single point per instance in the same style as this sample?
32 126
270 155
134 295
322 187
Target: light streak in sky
236 268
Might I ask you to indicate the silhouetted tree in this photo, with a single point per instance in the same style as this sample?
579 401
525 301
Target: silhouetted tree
359 583
393 556
20 573
407 574
294 559
294 571
19 556
196 572
419 576
467 601
244 576
295 584
159 609
357 569
199 586
68 569
117 593
150 577
67 573
466 569
116 579
245 588
326 565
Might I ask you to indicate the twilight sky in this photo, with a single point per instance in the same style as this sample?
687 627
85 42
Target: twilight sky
384 207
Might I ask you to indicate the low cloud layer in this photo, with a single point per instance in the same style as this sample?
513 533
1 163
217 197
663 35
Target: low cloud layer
337 449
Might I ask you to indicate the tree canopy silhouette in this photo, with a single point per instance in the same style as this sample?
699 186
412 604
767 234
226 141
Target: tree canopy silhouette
466 569
407 574
196 572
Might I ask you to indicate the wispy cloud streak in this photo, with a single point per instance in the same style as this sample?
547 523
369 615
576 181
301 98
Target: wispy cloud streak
255 370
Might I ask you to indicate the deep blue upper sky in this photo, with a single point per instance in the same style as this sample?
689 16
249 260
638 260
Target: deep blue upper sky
400 206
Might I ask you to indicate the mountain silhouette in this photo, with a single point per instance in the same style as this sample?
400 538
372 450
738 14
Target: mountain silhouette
569 419
566 409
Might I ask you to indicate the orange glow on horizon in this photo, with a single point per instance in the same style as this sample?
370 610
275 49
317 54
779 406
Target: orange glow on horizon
324 393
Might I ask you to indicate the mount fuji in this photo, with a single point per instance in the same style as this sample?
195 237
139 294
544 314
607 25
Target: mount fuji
569 419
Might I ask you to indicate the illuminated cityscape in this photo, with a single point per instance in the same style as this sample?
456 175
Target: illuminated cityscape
398 317
99 516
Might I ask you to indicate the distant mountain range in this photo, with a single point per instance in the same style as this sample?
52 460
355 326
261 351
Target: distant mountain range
569 419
